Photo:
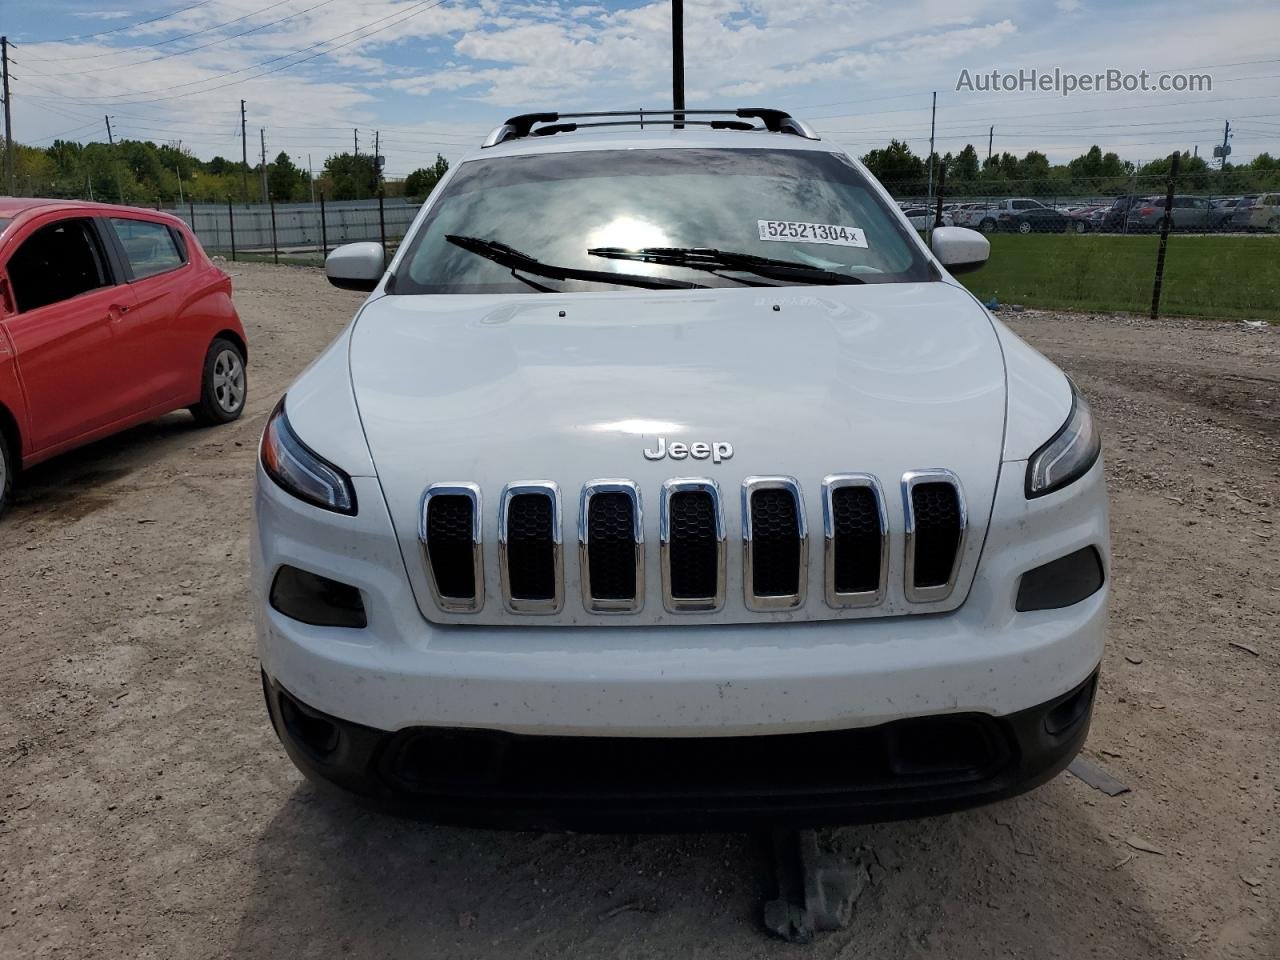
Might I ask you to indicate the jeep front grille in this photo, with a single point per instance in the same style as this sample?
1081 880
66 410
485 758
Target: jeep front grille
694 561
692 546
611 546
449 528
935 531
530 552
856 540
775 543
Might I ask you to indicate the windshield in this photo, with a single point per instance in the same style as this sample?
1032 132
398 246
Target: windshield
4 223
809 208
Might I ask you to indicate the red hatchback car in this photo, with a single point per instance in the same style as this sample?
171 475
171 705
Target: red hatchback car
109 316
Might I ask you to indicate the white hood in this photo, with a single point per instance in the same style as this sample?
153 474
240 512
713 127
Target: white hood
804 382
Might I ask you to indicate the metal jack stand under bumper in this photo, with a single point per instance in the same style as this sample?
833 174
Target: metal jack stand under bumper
816 891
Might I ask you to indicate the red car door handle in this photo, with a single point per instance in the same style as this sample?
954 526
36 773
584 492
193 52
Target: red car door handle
117 309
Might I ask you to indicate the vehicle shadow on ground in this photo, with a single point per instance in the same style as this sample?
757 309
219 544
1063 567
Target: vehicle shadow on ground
1037 876
76 484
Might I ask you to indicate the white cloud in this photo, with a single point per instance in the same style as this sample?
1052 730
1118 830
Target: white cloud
439 70
103 14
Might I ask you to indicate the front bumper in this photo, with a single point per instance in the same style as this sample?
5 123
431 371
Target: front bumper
696 679
903 769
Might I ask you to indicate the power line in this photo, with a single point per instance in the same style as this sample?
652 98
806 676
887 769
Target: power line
180 53
140 23
403 15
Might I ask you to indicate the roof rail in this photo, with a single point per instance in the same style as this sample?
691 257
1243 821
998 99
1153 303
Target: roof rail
526 124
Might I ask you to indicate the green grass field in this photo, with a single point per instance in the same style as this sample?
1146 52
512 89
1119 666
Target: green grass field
1224 276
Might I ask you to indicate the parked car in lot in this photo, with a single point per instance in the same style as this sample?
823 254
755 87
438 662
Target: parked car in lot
1257 213
922 218
1189 214
963 215
657 462
109 316
1114 216
1019 214
1085 219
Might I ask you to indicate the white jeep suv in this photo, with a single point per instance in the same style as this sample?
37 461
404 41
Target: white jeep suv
665 479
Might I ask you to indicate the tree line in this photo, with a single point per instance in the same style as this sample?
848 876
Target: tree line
141 172
1092 173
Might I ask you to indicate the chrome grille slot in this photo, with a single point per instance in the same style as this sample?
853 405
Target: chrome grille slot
694 561
611 547
449 529
933 502
530 552
856 540
692 546
775 543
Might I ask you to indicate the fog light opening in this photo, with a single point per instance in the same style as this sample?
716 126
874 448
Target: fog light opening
316 600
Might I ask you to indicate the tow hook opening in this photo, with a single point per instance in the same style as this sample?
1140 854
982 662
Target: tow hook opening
1066 715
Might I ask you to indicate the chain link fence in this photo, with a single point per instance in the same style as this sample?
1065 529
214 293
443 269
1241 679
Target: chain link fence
1155 245
301 233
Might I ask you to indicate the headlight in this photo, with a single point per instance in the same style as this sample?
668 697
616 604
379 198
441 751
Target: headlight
1069 453
301 472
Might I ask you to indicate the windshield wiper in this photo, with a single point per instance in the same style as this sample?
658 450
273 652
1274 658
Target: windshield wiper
711 259
506 256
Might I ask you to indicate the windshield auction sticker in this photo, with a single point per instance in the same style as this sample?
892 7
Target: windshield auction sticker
794 231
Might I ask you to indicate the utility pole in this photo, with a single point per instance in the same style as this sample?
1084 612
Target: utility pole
8 124
115 161
244 159
263 134
933 117
1226 135
677 62
311 178
991 136
355 144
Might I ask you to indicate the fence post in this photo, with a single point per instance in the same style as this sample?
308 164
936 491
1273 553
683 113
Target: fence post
191 206
1165 223
382 227
231 227
275 247
942 187
324 230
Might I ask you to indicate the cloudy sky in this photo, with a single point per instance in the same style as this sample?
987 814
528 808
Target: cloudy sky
434 75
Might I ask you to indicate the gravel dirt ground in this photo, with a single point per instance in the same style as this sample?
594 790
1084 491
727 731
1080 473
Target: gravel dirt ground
146 809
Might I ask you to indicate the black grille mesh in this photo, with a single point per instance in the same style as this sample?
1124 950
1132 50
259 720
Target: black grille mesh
612 545
856 520
937 515
775 547
531 547
693 549
449 544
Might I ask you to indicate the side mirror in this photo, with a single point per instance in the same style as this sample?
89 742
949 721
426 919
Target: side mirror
355 266
960 249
